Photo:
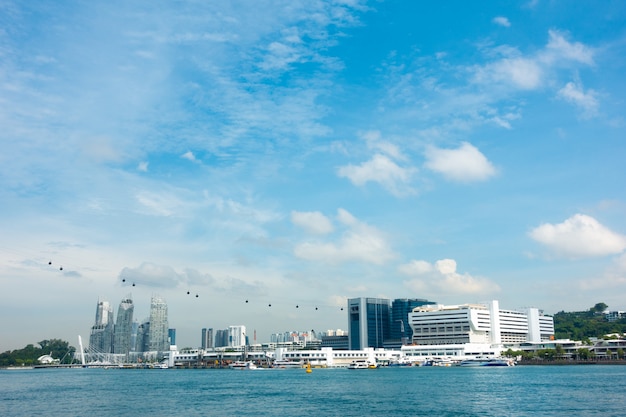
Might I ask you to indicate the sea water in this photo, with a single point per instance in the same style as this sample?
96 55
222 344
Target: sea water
594 390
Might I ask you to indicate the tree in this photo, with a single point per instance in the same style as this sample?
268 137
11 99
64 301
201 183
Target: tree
599 308
559 351
583 353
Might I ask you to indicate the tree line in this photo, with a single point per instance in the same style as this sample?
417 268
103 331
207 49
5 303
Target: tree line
583 325
57 348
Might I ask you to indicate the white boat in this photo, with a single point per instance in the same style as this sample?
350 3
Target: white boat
284 364
362 364
487 362
446 362
242 365
402 361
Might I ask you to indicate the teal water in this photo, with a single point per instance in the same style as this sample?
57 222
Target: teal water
427 391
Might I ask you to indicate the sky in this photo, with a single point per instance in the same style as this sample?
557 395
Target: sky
300 153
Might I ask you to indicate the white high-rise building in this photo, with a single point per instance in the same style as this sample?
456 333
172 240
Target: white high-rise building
236 336
478 323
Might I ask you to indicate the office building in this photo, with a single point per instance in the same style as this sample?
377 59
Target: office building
369 322
401 332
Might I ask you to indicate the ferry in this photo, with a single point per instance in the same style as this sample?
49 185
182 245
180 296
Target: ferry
243 365
285 364
362 364
487 362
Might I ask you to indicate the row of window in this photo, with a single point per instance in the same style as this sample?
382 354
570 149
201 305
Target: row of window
442 329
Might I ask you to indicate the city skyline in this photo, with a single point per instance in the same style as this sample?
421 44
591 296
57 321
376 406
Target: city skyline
261 163
372 322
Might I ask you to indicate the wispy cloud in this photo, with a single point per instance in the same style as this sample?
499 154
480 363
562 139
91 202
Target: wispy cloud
161 276
586 101
383 168
530 72
501 21
359 242
560 51
312 221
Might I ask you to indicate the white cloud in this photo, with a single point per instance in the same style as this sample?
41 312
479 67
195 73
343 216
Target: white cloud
159 204
443 278
464 164
502 21
529 72
383 170
189 156
559 48
575 94
152 275
142 166
359 242
579 236
312 221
523 73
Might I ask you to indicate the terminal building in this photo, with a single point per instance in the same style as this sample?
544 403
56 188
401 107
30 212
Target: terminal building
478 323
474 329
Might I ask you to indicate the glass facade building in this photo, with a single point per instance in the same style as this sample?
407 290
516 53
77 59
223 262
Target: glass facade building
400 309
369 321
101 337
124 326
158 333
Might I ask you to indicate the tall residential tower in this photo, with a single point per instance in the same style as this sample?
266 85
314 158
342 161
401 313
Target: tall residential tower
124 326
158 333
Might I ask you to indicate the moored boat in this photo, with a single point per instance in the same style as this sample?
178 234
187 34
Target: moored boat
243 365
285 364
362 364
487 362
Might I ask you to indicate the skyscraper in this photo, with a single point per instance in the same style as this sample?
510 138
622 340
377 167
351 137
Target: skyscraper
369 321
143 336
123 326
207 338
101 337
158 333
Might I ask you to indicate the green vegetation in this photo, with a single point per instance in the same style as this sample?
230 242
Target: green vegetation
57 348
582 325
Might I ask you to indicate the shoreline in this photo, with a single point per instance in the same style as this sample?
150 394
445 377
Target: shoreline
572 362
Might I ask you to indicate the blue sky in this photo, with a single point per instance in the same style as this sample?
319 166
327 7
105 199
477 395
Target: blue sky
304 152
